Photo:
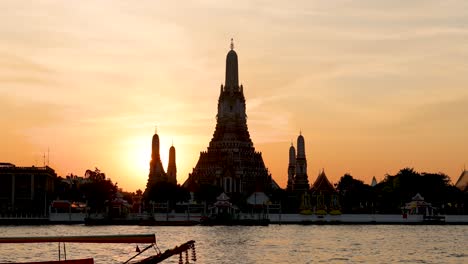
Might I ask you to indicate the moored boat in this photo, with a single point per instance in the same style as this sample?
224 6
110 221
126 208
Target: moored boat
134 238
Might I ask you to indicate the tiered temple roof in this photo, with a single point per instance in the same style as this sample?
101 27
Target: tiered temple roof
462 182
322 185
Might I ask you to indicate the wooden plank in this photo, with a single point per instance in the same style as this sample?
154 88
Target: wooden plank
135 238
74 261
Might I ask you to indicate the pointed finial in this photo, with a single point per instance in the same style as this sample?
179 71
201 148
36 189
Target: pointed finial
232 43
156 129
172 142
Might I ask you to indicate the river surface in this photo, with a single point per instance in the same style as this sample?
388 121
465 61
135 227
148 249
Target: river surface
271 244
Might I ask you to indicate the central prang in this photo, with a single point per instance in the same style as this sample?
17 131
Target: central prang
231 161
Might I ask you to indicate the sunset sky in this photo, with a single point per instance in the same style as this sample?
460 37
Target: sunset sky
374 86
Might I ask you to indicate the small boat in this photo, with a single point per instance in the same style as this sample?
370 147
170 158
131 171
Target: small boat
135 238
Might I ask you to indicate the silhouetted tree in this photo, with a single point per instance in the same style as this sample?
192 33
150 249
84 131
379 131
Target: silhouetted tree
398 189
98 189
127 196
355 195
69 189
95 175
165 191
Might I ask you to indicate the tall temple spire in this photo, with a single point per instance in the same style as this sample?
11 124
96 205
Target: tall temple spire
374 182
171 167
301 180
232 73
231 103
300 146
155 147
157 173
291 167
292 155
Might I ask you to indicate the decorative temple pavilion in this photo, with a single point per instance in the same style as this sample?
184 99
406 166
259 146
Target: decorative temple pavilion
326 197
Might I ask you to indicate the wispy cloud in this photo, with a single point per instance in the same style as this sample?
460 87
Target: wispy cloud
355 76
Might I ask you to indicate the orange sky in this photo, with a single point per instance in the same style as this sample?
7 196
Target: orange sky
374 86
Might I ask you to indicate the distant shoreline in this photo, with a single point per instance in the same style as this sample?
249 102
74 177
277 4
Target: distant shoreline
180 219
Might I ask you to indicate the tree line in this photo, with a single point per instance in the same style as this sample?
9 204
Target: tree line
355 196
394 191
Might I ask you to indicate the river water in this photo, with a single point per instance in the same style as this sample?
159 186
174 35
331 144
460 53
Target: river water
271 244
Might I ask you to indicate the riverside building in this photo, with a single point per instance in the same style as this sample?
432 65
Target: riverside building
25 189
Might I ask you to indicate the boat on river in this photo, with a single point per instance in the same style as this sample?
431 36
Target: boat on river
149 239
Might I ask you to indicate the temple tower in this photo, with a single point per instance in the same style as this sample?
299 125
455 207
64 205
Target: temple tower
157 173
374 182
231 161
171 167
301 180
291 167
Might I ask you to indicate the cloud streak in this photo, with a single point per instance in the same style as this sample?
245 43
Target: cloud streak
360 78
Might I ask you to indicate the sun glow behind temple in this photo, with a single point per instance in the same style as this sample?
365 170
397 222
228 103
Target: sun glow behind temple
138 157
375 85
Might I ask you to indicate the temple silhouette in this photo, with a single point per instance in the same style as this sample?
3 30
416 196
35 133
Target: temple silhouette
318 197
298 181
157 173
231 161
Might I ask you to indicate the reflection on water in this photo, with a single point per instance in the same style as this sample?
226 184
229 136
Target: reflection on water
272 244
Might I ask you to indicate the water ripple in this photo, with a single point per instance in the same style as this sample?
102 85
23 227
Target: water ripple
272 244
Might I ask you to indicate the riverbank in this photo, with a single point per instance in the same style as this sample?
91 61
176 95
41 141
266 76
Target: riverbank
396 219
178 219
